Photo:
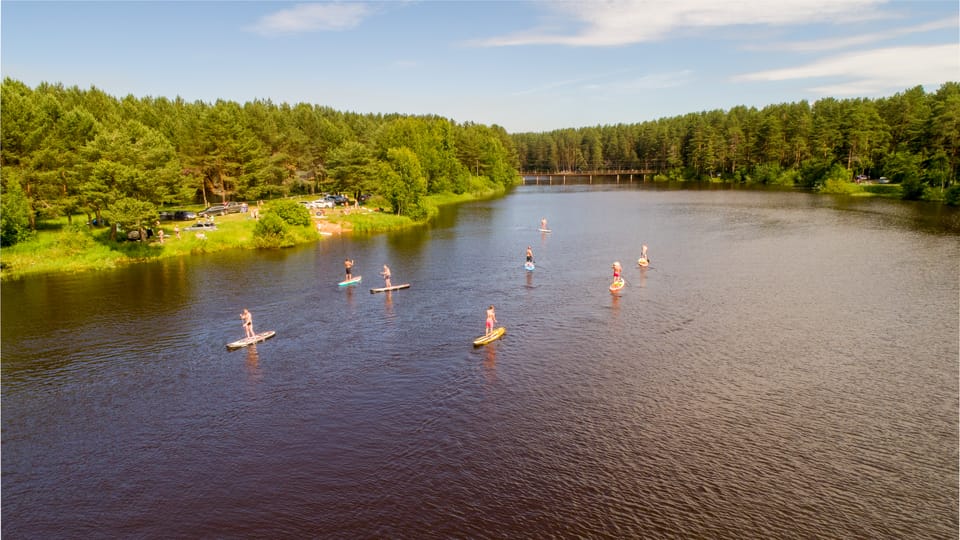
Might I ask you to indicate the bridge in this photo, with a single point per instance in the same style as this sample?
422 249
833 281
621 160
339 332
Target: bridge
587 177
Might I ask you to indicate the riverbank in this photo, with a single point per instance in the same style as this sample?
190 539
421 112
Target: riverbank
78 248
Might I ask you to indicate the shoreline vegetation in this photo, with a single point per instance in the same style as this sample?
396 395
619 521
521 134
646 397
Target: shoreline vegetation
66 248
74 248
71 156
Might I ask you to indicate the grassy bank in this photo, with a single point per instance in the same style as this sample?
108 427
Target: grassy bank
61 247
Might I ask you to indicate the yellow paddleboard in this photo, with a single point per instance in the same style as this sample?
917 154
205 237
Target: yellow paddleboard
491 337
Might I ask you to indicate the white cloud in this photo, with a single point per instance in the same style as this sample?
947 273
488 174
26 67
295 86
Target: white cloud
624 22
874 71
313 17
862 39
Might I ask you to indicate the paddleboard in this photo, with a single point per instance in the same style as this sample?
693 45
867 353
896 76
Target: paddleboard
643 262
491 337
394 288
239 344
544 230
617 285
352 281
529 266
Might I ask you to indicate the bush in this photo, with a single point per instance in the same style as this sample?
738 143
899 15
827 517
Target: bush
952 196
912 187
839 186
291 212
14 215
271 231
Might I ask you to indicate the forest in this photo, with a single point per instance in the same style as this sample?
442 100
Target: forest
67 152
911 138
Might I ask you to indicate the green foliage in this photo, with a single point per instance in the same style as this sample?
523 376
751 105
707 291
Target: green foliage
404 184
883 190
813 172
904 168
271 231
14 213
838 181
952 196
131 214
291 212
839 186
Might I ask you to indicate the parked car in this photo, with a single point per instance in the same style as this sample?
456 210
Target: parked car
337 200
319 203
177 215
883 180
202 226
221 209
364 197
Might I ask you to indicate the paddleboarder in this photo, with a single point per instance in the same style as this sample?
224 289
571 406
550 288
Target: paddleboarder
616 271
491 320
348 268
543 224
247 319
386 276
529 255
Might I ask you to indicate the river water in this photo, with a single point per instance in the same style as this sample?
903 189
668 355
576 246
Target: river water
786 368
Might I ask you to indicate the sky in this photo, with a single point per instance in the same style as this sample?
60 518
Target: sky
527 66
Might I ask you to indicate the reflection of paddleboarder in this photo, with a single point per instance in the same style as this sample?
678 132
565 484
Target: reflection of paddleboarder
386 275
247 319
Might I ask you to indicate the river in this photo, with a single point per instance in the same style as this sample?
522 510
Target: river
787 367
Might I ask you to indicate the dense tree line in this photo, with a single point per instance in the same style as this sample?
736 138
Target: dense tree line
67 151
912 137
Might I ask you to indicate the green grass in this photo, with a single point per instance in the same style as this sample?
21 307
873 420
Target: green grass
59 246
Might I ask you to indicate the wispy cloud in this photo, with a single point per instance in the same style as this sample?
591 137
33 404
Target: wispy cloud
858 40
873 71
313 17
623 22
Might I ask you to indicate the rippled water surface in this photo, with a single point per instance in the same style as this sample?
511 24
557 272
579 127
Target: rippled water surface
786 368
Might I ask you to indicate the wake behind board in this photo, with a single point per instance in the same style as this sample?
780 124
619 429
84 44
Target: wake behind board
239 344
544 230
352 281
491 337
529 266
393 288
617 285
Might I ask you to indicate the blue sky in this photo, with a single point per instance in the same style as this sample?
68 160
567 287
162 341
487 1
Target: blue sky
526 66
